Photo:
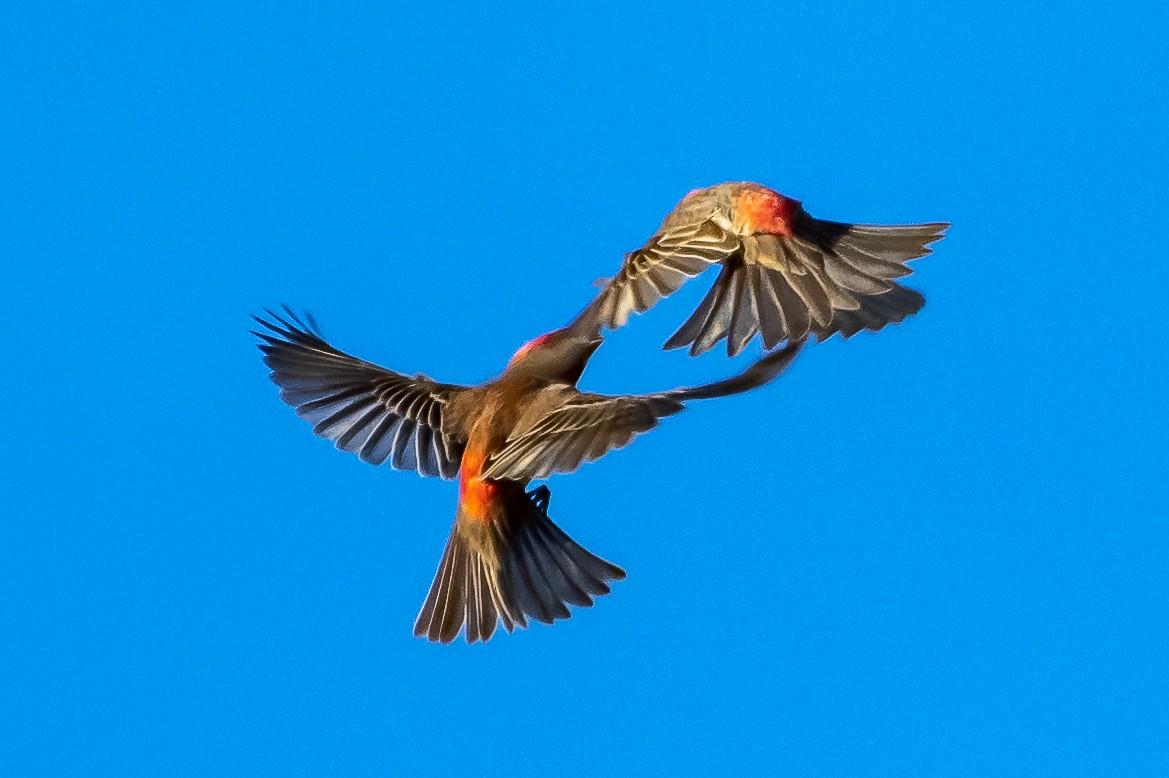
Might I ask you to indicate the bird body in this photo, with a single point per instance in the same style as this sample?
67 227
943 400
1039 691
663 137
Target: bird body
505 560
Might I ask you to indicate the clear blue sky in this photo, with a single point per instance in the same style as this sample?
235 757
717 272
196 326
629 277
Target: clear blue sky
938 549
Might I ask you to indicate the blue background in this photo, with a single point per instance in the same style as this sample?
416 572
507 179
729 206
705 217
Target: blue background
937 549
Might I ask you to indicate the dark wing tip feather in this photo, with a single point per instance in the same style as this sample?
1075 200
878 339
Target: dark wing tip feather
761 372
291 330
875 313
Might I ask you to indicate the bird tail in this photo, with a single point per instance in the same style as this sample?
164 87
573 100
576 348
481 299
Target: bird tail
519 565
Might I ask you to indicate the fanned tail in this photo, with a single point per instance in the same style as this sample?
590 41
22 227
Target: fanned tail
518 566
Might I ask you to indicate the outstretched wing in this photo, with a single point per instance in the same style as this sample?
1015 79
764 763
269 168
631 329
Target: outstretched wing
661 267
582 427
365 409
812 277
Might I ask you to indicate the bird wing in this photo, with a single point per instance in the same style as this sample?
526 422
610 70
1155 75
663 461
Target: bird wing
582 427
824 278
661 267
365 409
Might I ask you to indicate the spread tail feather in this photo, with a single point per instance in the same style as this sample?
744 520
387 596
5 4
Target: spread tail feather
521 565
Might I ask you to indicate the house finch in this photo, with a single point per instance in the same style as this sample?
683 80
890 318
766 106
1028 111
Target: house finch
785 275
505 561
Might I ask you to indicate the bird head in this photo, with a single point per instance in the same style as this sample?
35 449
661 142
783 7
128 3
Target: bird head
560 355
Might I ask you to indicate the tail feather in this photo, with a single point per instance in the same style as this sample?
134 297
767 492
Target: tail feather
521 567
533 591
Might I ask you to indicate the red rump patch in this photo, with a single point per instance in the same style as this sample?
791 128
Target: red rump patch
477 496
762 210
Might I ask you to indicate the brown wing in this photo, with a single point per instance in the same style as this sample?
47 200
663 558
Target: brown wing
584 427
365 409
827 277
824 278
661 267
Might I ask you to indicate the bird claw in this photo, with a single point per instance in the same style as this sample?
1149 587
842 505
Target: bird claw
540 497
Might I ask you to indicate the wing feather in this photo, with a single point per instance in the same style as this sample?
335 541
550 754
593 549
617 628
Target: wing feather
363 408
581 427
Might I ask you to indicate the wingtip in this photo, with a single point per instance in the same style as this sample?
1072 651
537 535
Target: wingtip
290 323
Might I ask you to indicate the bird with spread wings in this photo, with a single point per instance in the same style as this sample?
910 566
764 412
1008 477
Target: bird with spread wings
783 275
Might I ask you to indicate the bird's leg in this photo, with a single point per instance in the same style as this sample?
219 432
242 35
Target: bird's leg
540 497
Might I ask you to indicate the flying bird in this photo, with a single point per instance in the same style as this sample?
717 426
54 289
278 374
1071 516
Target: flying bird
784 274
505 561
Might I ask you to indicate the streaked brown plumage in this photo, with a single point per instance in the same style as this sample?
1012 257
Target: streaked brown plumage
784 275
505 561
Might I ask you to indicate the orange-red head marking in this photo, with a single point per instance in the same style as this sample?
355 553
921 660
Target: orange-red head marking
525 349
559 355
762 210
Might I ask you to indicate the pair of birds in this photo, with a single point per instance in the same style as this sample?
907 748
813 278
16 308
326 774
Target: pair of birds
784 276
